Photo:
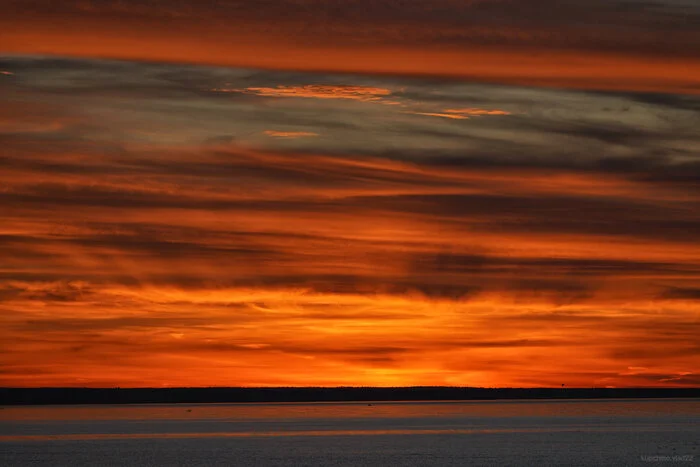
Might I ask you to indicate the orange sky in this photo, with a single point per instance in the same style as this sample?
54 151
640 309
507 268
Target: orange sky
166 223
154 279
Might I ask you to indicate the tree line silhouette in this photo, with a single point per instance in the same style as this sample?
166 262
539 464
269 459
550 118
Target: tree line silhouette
36 396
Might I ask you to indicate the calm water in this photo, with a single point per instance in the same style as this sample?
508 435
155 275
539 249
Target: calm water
587 432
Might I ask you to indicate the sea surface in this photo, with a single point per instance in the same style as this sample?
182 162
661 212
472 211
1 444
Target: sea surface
489 433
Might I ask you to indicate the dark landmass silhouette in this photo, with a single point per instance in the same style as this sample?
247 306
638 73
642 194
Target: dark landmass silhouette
39 396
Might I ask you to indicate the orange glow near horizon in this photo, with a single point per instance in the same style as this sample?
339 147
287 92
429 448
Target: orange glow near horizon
371 340
137 320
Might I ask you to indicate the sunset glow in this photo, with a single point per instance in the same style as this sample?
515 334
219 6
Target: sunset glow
433 201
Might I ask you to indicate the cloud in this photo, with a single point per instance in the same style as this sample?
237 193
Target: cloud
211 327
476 112
393 250
317 91
289 134
462 114
681 293
443 115
63 291
593 44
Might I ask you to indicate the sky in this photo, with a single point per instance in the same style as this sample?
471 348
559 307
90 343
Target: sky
311 193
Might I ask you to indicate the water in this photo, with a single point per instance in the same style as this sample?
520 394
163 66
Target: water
584 432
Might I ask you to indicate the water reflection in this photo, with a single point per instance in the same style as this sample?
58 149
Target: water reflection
278 411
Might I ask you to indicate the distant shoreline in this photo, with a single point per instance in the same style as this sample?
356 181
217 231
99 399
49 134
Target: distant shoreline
72 396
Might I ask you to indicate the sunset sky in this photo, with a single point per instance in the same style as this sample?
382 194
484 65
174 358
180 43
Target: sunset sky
350 192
